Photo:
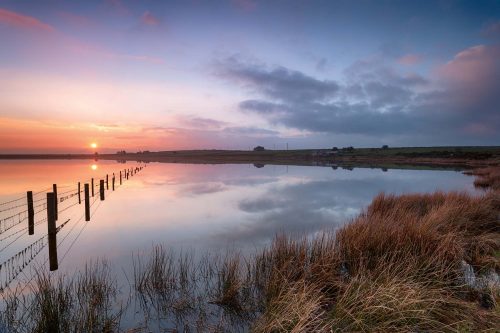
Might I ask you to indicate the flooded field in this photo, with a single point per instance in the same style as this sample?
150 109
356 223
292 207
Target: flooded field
197 209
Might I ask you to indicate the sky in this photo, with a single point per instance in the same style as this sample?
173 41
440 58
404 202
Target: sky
233 74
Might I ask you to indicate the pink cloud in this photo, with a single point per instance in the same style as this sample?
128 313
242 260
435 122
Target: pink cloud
23 21
473 76
410 59
149 19
478 64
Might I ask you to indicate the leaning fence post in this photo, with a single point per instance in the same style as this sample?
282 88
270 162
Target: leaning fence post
87 202
101 189
31 214
79 194
52 230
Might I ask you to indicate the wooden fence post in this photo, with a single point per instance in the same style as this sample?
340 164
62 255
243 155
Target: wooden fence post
107 182
101 189
31 214
87 202
51 225
79 194
92 181
120 177
54 190
113 182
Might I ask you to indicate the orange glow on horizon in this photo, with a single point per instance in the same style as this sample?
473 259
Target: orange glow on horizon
38 136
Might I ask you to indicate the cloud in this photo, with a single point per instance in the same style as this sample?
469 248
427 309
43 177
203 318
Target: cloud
200 122
202 188
149 19
410 59
476 65
250 131
376 101
279 83
21 21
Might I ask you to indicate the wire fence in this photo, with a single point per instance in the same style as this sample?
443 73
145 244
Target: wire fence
66 200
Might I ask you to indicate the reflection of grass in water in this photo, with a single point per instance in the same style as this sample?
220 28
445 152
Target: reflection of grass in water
84 303
397 267
189 294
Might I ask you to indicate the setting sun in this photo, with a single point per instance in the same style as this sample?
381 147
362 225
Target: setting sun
93 166
93 145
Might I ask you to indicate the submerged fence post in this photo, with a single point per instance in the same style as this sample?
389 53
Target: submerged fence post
107 182
101 189
31 213
120 177
87 202
54 189
92 187
79 194
51 225
113 182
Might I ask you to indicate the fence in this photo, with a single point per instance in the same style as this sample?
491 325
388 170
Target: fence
27 209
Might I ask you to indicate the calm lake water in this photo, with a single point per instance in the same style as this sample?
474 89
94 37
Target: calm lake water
203 208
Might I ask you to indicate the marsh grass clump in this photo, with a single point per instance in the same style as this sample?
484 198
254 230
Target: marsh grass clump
85 303
487 178
397 267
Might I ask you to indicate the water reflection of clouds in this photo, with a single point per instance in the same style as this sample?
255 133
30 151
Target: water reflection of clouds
201 188
312 205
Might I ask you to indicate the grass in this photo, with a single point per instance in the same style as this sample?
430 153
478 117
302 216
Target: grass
488 178
397 267
85 303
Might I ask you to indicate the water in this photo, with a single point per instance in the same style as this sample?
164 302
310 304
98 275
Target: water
204 208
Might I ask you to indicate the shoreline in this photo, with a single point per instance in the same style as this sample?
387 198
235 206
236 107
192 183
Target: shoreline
457 158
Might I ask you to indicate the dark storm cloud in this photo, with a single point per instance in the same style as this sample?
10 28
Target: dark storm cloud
375 100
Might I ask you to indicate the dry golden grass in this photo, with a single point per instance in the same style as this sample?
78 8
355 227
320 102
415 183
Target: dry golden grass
488 177
398 267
